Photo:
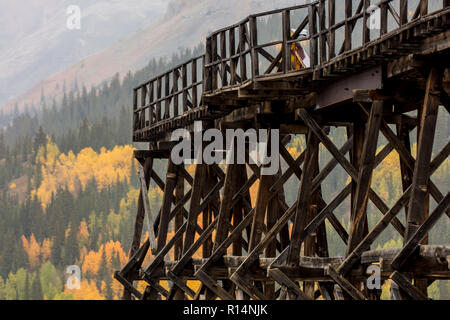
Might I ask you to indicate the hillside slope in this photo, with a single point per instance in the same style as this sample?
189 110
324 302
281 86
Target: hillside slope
185 24
36 43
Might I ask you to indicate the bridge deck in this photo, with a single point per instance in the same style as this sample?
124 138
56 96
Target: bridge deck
241 67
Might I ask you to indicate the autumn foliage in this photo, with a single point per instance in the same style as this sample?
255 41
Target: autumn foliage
73 172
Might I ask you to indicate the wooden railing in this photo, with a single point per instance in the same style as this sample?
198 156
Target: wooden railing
258 45
261 45
169 95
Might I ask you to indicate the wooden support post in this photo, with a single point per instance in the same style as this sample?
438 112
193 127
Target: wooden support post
232 52
365 26
207 216
340 158
322 28
148 166
159 258
420 233
394 291
280 277
357 132
242 58
238 210
217 254
253 44
384 18
406 173
359 216
175 76
159 96
223 54
225 206
344 284
179 217
151 95
286 49
262 200
309 249
171 181
284 232
207 81
146 204
304 200
348 25
332 32
239 275
445 4
143 104
194 98
311 244
135 115
403 12
419 202
167 93
320 241
197 188
326 212
129 273
421 184
423 7
187 256
184 84
403 282
313 54
407 157
273 213
215 61
364 245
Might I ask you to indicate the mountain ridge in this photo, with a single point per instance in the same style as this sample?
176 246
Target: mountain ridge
36 43
185 24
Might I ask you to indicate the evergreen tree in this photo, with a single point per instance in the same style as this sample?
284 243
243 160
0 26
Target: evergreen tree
36 288
103 270
41 139
27 288
71 250
109 292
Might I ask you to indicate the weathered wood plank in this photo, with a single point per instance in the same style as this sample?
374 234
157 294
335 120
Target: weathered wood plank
420 233
147 212
304 199
403 282
421 175
281 278
359 215
147 170
225 206
344 284
197 187
353 257
168 198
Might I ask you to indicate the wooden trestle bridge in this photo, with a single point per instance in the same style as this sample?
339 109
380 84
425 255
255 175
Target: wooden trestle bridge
384 77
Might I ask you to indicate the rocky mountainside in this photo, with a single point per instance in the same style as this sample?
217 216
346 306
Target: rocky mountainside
185 24
36 43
